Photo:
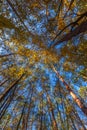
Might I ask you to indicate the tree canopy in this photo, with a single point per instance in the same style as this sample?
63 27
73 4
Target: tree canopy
43 65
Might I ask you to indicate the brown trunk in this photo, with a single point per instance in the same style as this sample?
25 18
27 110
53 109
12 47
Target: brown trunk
23 123
8 89
54 121
6 104
76 99
60 113
74 114
55 127
8 119
52 112
73 124
21 117
71 24
17 14
29 109
80 29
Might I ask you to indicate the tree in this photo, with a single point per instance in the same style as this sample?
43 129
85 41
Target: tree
35 38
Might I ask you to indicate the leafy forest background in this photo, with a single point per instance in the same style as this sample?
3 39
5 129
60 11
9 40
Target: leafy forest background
43 65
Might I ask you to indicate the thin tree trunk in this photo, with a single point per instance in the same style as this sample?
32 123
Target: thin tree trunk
80 29
17 14
23 123
51 123
8 119
77 116
3 82
73 125
60 115
55 127
76 99
21 116
52 112
41 114
1 56
6 105
29 108
10 88
71 24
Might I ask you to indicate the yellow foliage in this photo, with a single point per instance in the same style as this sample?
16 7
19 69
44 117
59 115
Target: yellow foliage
61 23
6 23
14 71
8 128
69 109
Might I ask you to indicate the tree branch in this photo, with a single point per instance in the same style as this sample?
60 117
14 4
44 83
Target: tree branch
80 29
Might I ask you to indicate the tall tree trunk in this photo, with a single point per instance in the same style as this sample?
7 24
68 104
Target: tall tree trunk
74 114
8 119
52 112
80 122
21 117
73 124
51 123
55 127
23 122
17 14
41 113
10 88
60 114
29 109
80 29
6 104
76 99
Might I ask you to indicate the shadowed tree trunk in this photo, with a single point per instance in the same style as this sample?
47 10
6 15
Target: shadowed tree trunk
21 117
55 127
10 88
56 94
80 29
6 103
29 109
17 14
7 97
23 122
3 82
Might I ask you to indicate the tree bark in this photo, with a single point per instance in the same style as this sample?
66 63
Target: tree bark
17 14
80 29
76 99
52 112
6 104
10 88
21 117
3 82
29 109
